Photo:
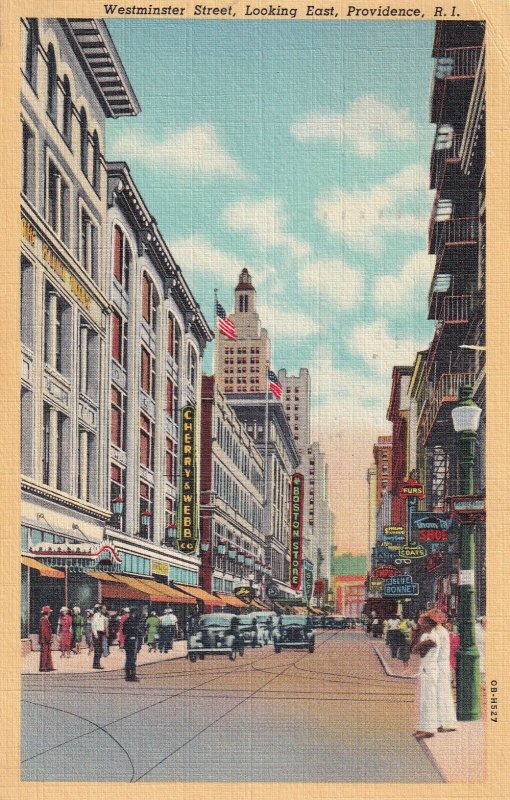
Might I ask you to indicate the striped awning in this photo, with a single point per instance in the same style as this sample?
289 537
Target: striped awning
200 594
231 600
42 569
171 594
255 603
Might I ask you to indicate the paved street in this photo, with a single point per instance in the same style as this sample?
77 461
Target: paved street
330 716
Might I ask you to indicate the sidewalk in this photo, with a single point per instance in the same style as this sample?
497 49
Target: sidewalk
460 756
83 661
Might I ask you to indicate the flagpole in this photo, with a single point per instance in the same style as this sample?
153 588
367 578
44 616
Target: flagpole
215 327
266 455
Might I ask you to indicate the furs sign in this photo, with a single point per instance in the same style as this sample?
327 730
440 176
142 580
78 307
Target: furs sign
296 529
187 523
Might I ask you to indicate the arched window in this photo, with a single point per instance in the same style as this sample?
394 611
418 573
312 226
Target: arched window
84 142
31 52
96 163
192 366
66 116
149 301
51 99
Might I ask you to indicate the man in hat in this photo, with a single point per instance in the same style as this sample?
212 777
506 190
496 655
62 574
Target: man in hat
98 627
436 709
45 635
167 631
131 641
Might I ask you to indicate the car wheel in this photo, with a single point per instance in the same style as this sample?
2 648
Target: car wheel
192 657
241 649
201 656
311 647
232 655
277 648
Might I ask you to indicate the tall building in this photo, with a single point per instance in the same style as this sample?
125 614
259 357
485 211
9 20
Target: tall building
372 507
241 366
158 336
232 500
72 80
398 415
296 397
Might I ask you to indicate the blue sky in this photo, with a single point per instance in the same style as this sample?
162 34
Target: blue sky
299 150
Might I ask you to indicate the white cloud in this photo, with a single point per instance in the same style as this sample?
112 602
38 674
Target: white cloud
197 254
366 124
376 346
399 204
286 324
197 149
265 222
409 288
333 279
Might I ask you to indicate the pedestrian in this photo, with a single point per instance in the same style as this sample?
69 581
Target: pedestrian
65 631
106 647
45 637
152 625
405 630
454 646
392 635
113 627
87 629
98 626
132 632
125 614
77 629
167 631
436 708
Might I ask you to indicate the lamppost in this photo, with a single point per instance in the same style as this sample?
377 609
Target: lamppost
466 418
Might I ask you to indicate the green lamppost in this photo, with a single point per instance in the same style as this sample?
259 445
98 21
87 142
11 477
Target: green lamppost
466 418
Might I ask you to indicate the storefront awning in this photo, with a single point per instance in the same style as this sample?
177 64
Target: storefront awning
300 610
317 611
257 604
42 569
171 595
200 594
152 592
231 600
101 576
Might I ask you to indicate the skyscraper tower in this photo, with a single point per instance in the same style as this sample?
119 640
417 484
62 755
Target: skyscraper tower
241 365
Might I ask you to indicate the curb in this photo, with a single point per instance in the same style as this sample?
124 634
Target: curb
388 671
92 671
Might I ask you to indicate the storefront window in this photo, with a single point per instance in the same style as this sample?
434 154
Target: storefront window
181 575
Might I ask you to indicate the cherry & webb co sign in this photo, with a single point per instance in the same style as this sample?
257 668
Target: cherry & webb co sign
296 529
187 522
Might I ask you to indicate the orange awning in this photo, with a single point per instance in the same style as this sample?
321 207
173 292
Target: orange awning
170 594
102 576
153 593
257 604
231 600
200 594
42 569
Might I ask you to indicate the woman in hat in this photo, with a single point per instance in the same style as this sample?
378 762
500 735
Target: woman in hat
152 625
65 631
78 622
45 636
436 709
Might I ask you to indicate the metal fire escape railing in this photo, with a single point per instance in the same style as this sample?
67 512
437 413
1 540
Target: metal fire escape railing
454 63
455 310
441 157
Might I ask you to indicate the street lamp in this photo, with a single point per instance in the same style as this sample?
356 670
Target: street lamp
466 419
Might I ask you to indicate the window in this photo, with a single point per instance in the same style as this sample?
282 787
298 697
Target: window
192 366
174 339
122 258
32 44
148 373
118 415
118 489
171 460
119 339
169 512
146 504
146 442
66 111
51 88
88 353
84 142
137 565
96 163
28 163
84 461
58 203
182 575
56 327
88 244
27 302
55 429
149 301
243 302
171 399
26 431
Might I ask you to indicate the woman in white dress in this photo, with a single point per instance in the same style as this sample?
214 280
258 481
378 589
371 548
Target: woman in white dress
436 709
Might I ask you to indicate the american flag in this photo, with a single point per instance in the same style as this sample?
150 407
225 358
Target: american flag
225 326
275 386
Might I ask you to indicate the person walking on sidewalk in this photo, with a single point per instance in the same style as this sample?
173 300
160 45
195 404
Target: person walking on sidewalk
123 618
78 622
167 631
45 636
152 626
436 709
392 635
87 629
98 625
65 631
131 645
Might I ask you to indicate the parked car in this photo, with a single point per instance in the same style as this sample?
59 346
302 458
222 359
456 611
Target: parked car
250 632
216 634
266 621
294 631
350 622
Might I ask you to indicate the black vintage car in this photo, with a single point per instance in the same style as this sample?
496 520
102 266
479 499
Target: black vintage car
294 631
249 631
216 634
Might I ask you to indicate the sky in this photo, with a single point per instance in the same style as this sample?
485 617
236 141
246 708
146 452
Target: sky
299 150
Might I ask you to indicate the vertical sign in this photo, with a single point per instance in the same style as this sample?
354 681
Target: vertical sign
307 580
296 529
187 523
